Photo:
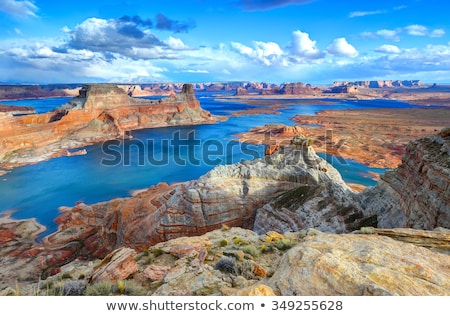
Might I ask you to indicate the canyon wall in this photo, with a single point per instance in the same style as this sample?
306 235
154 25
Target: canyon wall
417 193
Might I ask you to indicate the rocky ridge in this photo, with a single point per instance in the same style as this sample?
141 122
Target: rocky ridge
417 193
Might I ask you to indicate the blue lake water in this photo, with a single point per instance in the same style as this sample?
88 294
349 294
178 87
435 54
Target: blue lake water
36 191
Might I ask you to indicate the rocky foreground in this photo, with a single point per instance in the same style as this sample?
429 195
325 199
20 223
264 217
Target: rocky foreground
296 229
100 112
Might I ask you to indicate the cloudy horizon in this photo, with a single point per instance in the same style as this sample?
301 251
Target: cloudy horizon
314 41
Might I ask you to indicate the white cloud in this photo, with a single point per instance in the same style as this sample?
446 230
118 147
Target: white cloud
437 33
176 43
389 49
267 53
364 13
19 8
302 46
340 47
389 34
416 30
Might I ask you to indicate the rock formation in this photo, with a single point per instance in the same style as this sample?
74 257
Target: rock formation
417 193
228 194
100 112
290 190
15 92
354 264
15 110
379 83
236 261
298 88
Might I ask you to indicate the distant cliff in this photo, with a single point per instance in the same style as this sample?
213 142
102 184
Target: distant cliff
99 112
379 83
12 92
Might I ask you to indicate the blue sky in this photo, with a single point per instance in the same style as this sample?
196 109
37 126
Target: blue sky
313 41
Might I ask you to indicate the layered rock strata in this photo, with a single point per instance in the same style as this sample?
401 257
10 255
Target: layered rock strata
228 194
100 112
417 193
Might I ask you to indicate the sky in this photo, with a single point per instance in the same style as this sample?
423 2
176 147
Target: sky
276 41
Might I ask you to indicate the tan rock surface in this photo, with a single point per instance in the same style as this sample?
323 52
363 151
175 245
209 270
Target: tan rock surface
328 264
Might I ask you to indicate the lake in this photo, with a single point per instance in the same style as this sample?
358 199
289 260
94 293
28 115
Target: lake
173 154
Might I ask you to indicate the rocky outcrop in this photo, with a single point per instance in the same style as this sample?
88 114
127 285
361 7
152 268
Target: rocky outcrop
229 194
417 193
118 265
100 112
298 88
236 261
15 110
354 264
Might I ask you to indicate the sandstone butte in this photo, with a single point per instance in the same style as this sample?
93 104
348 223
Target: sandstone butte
292 217
99 112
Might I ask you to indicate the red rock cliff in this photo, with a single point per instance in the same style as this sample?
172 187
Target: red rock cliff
101 111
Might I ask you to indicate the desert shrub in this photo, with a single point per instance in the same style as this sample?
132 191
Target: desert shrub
223 243
285 244
226 264
73 288
251 250
239 241
99 289
158 252
127 287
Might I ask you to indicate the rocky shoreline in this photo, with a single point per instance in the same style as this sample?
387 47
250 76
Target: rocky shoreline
100 112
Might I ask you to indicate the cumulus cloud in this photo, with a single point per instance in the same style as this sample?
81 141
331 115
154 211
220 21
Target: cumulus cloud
267 53
340 47
389 34
176 44
164 23
388 49
416 30
261 5
302 46
19 8
113 36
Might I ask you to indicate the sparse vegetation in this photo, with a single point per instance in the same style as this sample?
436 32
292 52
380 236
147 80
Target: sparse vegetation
239 241
127 287
99 289
251 250
226 264
158 252
285 244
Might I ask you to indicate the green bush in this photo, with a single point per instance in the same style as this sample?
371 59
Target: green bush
285 244
251 250
223 243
